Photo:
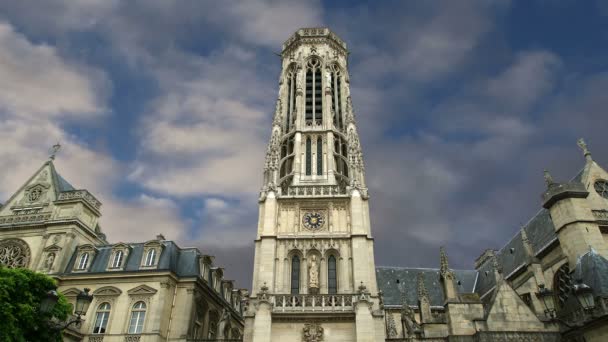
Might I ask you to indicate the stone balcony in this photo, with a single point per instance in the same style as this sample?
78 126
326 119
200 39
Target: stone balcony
285 303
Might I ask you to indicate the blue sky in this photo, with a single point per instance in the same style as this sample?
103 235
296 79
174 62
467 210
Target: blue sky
163 109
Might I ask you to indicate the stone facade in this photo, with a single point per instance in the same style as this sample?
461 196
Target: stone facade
177 294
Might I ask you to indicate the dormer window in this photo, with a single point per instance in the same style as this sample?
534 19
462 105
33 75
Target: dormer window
117 261
150 257
84 258
118 258
151 254
83 262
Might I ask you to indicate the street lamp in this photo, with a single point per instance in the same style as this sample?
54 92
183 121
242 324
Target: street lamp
584 295
546 297
83 300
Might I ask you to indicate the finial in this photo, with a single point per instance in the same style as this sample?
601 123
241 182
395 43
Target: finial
548 178
54 150
583 145
443 260
422 292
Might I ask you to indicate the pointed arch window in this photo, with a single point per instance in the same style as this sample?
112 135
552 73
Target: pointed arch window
319 156
314 97
101 318
308 156
138 315
83 263
291 96
562 285
332 280
336 98
295 274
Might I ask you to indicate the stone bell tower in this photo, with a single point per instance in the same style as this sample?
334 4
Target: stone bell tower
314 272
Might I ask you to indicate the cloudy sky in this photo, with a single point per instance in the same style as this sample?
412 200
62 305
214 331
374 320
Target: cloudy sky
163 109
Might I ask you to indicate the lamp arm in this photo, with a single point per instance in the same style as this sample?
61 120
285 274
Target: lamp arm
65 325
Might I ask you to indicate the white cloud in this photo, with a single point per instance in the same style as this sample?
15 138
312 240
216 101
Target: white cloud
35 80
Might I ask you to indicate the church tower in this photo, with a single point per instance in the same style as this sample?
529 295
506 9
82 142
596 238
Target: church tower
314 272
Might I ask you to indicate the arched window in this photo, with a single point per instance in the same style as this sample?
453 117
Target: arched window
308 156
101 318
84 261
291 97
150 257
562 285
138 315
295 275
314 97
117 261
319 156
336 99
332 281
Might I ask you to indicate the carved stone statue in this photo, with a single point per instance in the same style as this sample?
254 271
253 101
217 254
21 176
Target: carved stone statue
313 274
312 332
50 259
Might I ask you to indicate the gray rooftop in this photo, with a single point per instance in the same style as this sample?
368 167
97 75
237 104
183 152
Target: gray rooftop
182 262
392 280
592 269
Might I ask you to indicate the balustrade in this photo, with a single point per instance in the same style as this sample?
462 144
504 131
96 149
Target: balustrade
308 302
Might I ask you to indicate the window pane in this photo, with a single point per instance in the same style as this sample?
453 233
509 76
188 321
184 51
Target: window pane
319 156
332 285
295 275
308 157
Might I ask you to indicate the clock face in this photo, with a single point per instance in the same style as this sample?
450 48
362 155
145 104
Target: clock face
314 220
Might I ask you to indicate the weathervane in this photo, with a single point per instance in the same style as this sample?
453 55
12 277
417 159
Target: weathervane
54 150
583 145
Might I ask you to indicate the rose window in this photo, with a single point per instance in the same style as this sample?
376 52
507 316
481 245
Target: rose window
601 187
14 253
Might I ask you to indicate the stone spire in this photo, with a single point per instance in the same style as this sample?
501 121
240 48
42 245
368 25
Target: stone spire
424 301
447 277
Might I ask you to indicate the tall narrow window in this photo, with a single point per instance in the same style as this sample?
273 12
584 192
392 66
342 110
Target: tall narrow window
117 261
84 261
308 156
332 282
319 156
150 257
295 275
314 96
101 318
138 315
291 96
336 98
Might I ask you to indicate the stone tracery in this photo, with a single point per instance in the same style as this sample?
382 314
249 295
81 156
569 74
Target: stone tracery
14 253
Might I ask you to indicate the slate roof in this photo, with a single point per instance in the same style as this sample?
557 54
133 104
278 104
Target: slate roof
182 262
61 184
408 281
592 269
512 257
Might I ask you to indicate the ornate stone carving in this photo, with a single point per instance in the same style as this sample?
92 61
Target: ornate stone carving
14 253
391 327
313 274
312 332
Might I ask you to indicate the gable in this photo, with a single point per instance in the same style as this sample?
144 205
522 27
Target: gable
107 291
37 192
142 290
508 312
